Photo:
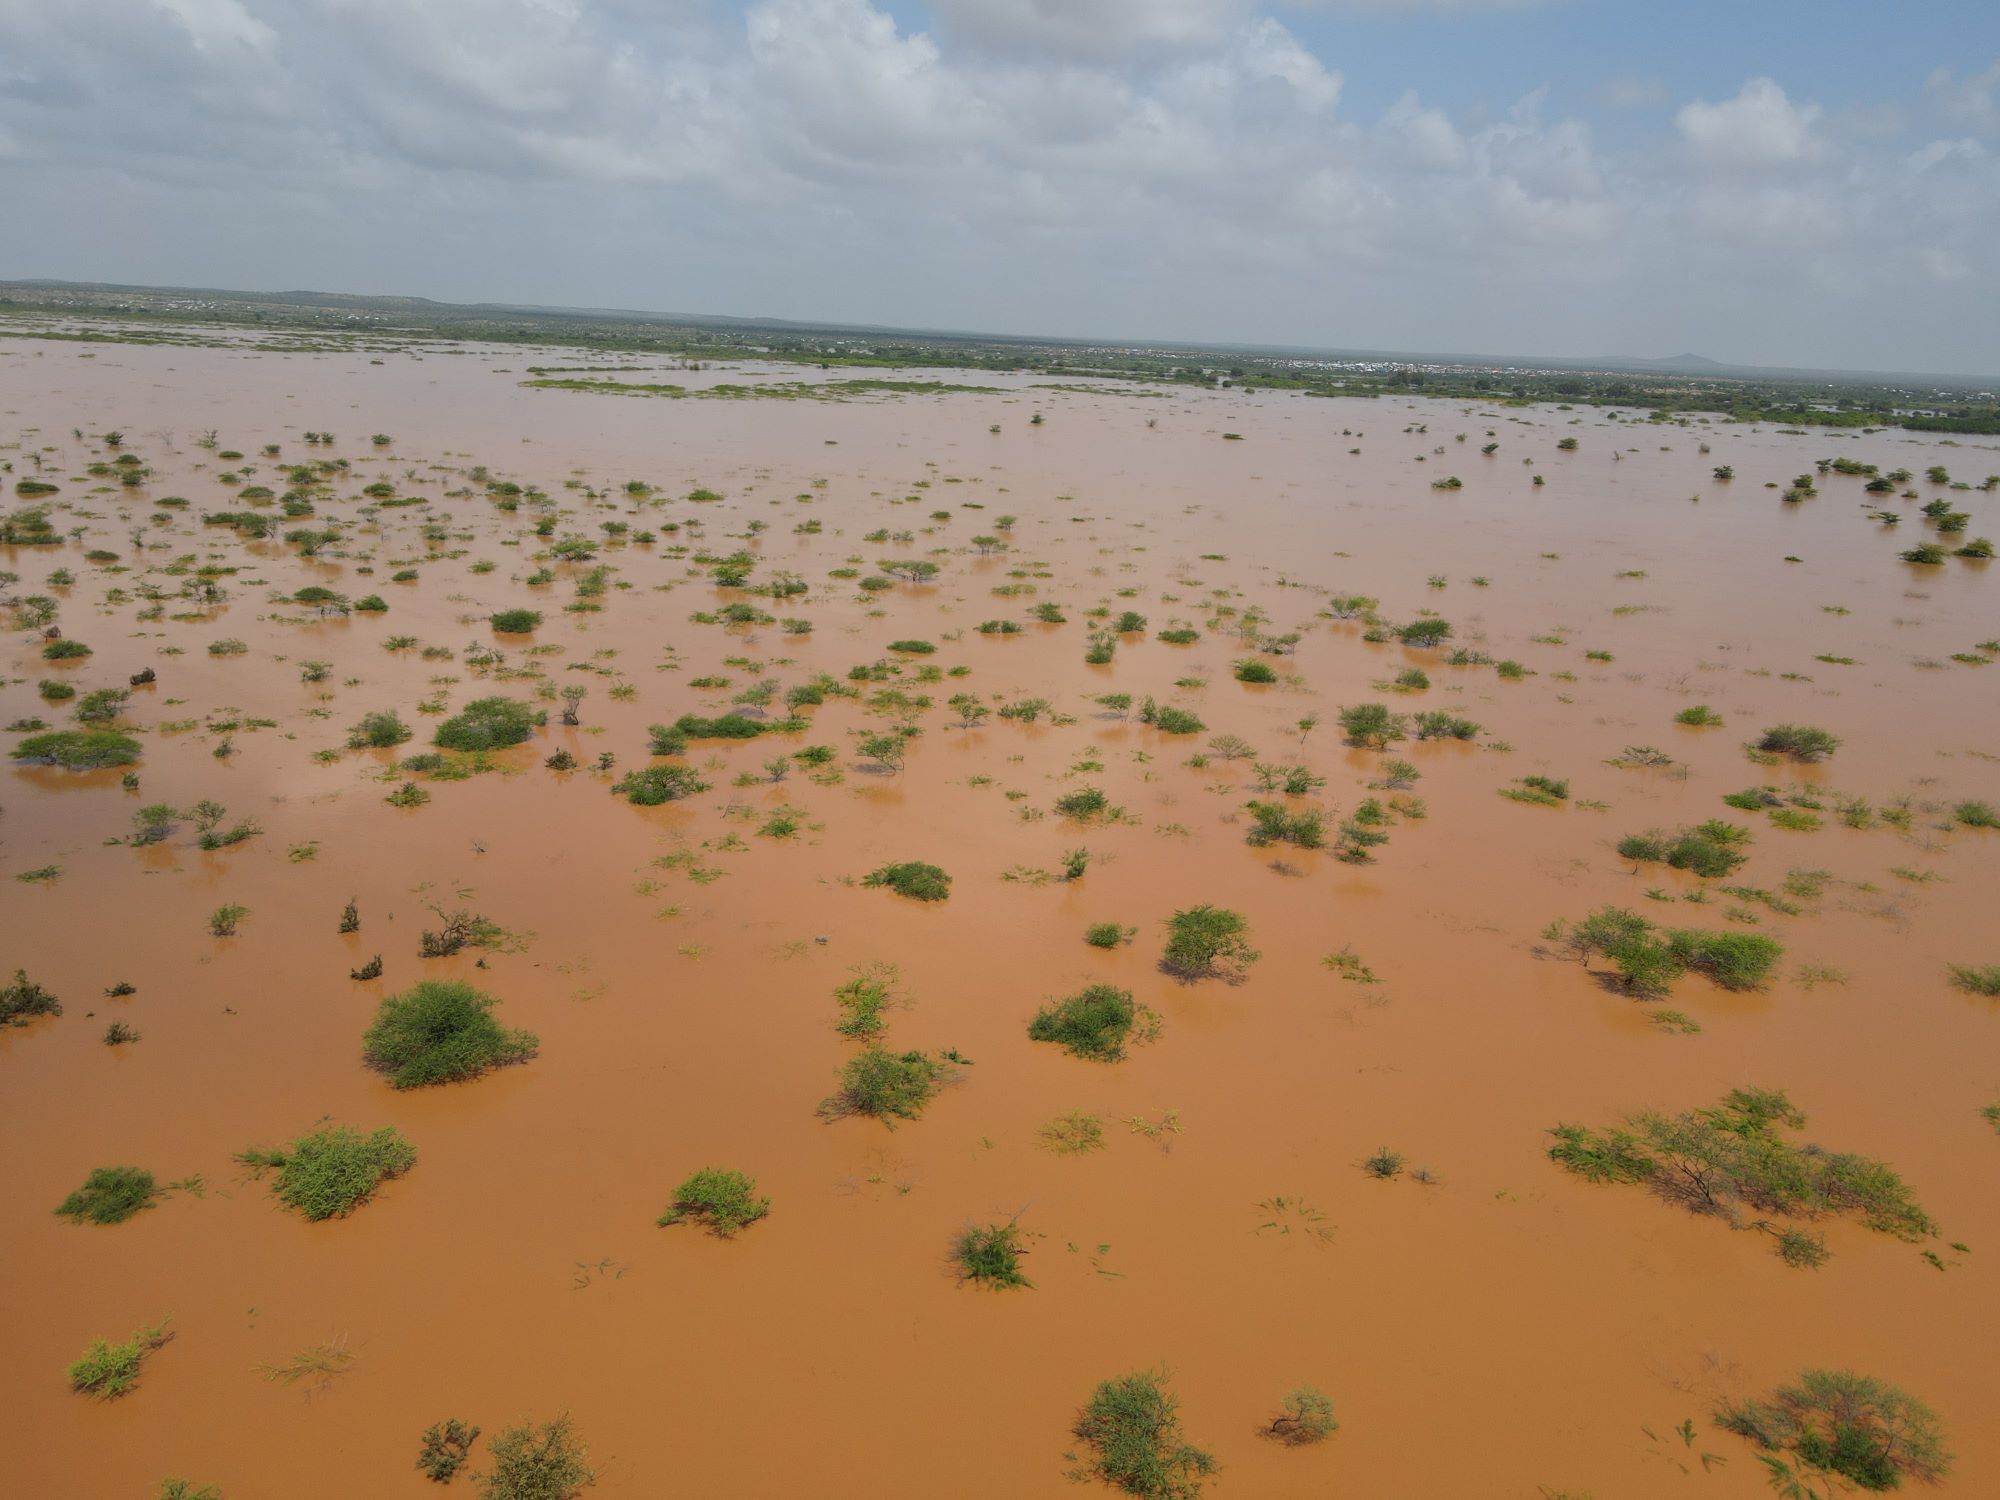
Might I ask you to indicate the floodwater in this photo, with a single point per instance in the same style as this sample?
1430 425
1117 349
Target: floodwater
1507 1330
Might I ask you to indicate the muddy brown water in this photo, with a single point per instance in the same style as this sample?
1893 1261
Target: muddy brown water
1506 1328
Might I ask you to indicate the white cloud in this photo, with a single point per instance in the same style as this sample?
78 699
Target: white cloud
1759 127
1973 102
1186 168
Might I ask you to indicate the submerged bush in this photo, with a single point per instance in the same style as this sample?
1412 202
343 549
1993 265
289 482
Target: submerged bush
537 1463
489 724
1649 961
887 1085
1372 726
1132 1427
107 1371
515 621
918 881
1207 940
1305 1416
25 998
1974 979
1860 1428
378 731
652 785
110 1195
1731 1162
1801 742
728 727
1275 823
441 1031
1093 1022
990 1254
1255 670
333 1171
1435 724
725 1201
78 749
1709 849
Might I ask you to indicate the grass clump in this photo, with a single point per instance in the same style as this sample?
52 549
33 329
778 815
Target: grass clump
489 724
1275 823
441 1031
537 1463
1304 1416
515 621
1976 979
446 1447
378 731
863 999
1132 1427
1731 1162
1168 719
1083 805
333 1171
918 881
108 1371
110 1195
1254 669
1709 849
1093 1023
1801 742
1206 941
1860 1428
724 1200
887 1085
1977 814
78 749
727 727
1107 934
649 786
990 1254
1079 1132
24 998
1700 716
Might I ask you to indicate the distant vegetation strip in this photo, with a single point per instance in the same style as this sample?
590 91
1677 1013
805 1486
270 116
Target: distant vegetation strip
785 390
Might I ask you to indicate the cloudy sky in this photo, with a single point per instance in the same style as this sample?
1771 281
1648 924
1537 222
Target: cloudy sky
1809 182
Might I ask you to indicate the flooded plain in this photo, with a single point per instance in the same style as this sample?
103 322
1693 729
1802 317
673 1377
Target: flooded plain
1498 1327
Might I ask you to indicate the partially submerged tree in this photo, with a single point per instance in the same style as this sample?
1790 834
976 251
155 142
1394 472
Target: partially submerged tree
441 1031
1863 1429
1132 1428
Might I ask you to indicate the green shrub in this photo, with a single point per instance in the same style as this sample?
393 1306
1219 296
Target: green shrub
1093 1022
1081 806
1974 979
1305 1416
1732 960
1274 823
110 1195
990 1254
1701 716
862 999
515 621
78 749
107 1371
378 731
1180 636
725 1201
1731 1162
918 881
1132 1427
447 1446
24 998
1435 724
1860 1428
886 1085
531 1463
333 1171
1707 850
1207 940
1255 669
652 785
728 727
1106 934
1977 815
65 650
489 724
1372 726
441 1031
1801 742
55 692
1424 632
